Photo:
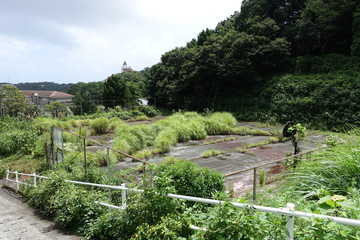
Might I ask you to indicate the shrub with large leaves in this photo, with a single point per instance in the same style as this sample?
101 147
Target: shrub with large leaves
189 179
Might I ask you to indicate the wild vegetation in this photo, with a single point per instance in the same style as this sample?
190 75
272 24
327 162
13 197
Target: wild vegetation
329 185
329 182
275 61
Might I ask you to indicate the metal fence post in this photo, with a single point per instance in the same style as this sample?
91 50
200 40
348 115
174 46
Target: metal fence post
17 180
290 222
254 185
7 177
84 142
123 195
108 168
34 179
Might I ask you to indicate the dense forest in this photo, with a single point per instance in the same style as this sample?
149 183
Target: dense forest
282 59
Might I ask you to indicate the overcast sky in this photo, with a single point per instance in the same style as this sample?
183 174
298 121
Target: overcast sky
69 41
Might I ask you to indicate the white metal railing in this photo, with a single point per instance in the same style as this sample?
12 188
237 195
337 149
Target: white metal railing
288 211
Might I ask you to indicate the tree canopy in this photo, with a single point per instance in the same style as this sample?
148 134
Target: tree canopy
12 100
87 95
264 39
123 89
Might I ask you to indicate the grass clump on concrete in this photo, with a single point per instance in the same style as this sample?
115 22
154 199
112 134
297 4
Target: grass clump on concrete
100 126
219 123
211 153
180 127
130 139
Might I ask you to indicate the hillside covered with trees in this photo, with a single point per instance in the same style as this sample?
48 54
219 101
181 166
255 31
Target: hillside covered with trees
280 59
44 86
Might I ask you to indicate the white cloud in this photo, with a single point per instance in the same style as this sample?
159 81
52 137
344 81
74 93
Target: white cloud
88 40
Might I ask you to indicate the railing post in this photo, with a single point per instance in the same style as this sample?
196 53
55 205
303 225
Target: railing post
35 185
17 180
108 169
85 167
290 221
123 195
7 177
254 186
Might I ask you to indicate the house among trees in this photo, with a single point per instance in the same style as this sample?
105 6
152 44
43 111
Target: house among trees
42 98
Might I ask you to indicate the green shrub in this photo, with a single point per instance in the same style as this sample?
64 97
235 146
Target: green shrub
40 143
148 208
227 222
43 197
136 113
189 179
122 115
76 208
149 111
170 227
100 125
115 123
14 140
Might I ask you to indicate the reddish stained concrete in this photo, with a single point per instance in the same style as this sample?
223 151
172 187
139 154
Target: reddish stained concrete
231 144
268 153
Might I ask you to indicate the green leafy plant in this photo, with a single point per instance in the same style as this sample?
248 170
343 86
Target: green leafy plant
146 209
330 204
223 222
187 178
174 227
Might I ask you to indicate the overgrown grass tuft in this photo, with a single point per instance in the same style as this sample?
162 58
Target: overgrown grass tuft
219 123
180 127
211 153
335 169
130 139
100 125
165 140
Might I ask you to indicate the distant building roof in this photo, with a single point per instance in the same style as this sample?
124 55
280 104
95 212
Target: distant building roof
126 68
46 94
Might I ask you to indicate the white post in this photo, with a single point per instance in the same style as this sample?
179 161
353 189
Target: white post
34 179
254 186
290 222
7 177
123 196
17 180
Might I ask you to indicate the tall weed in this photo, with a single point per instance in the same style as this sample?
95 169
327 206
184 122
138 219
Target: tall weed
335 169
100 125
